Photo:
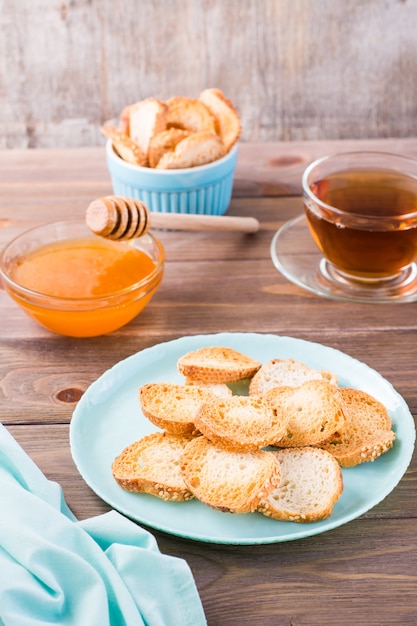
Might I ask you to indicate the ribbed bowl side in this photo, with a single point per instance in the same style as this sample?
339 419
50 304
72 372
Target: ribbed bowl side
210 200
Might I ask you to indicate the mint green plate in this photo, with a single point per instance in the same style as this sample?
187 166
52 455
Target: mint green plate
108 418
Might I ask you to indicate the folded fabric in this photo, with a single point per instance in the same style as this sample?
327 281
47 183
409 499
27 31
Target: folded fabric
104 571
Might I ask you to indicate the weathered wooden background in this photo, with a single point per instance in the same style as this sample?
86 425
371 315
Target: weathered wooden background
295 69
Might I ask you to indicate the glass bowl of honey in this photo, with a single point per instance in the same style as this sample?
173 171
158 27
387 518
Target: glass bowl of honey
78 284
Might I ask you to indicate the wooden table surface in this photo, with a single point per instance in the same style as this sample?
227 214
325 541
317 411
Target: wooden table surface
364 572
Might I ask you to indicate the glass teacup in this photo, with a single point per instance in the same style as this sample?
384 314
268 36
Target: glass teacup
361 209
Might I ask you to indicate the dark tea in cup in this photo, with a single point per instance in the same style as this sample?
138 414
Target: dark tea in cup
361 210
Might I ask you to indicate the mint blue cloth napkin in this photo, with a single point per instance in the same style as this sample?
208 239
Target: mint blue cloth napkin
104 571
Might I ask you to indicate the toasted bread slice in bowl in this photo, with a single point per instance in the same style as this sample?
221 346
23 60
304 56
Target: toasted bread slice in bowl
189 114
227 118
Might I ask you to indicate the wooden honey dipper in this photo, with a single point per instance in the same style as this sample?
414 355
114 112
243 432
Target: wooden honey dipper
119 218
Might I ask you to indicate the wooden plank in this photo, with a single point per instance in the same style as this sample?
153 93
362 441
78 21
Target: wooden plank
34 392
335 578
296 70
276 168
80 175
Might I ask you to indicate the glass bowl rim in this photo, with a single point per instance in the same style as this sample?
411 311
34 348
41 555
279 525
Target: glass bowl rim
106 299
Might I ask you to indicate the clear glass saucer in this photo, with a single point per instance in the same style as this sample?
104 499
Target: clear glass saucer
296 256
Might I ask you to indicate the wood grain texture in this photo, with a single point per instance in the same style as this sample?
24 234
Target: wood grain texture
362 573
295 69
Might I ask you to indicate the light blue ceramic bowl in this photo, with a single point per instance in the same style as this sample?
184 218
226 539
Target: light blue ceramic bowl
205 190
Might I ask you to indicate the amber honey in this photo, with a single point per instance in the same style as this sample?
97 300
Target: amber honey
373 231
89 286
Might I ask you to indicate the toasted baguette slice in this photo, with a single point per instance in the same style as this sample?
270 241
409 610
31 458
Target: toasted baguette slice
233 482
172 407
163 142
124 123
197 149
147 118
365 411
241 423
152 465
127 149
311 483
217 364
285 373
315 410
367 433
221 390
189 114
227 118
